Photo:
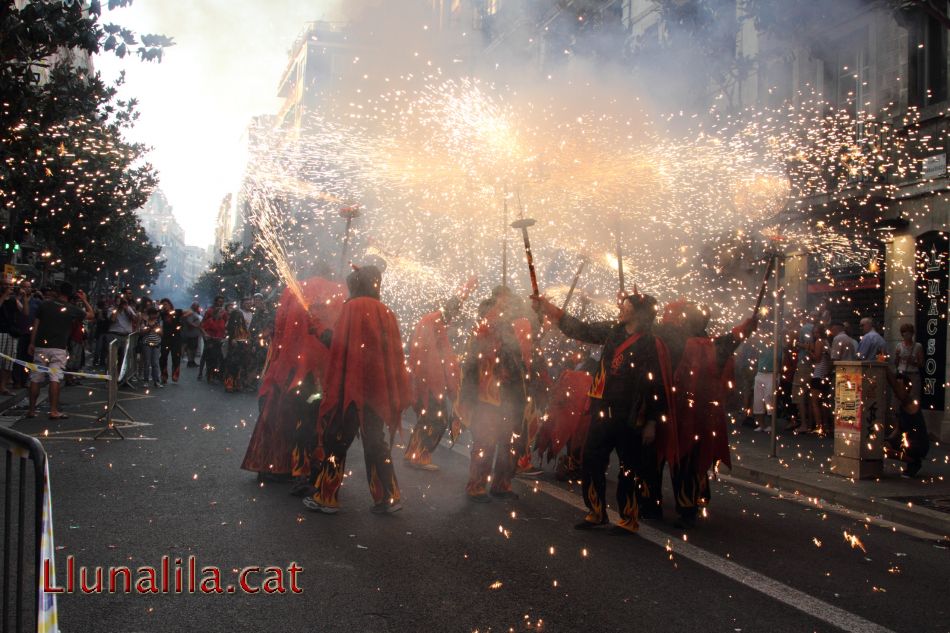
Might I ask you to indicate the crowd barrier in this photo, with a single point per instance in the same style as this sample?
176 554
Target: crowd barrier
27 535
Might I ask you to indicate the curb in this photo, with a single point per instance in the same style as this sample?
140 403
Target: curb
887 509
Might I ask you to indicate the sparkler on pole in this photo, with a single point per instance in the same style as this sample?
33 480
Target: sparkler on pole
523 224
623 290
504 246
349 212
577 276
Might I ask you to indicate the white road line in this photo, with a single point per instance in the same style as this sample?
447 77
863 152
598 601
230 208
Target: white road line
815 503
809 605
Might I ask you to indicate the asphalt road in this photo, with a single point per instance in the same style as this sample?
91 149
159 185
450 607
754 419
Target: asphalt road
756 563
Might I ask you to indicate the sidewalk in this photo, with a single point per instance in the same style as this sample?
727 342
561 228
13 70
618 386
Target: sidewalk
803 465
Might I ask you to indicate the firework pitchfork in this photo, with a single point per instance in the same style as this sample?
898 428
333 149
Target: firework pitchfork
349 213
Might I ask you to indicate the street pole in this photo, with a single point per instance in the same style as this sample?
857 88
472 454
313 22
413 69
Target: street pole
776 351
504 252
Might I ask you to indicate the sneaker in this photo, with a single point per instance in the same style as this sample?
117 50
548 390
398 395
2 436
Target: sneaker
483 498
319 507
159 385
175 375
386 508
505 494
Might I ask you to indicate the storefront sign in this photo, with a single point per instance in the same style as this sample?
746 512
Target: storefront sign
934 166
933 254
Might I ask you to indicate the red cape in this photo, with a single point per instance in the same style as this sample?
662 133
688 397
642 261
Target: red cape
433 364
367 367
700 401
293 355
568 413
667 439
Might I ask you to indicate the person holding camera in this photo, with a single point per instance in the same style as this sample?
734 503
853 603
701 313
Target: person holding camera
48 344
10 309
124 320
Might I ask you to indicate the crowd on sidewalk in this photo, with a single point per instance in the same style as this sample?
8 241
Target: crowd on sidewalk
806 381
58 329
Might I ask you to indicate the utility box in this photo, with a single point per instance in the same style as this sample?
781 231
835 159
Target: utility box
860 407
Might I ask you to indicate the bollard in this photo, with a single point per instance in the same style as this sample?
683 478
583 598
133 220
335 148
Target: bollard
860 406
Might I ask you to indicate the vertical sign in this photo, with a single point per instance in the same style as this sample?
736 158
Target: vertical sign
933 254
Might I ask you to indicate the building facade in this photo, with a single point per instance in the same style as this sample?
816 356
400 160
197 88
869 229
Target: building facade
183 263
884 58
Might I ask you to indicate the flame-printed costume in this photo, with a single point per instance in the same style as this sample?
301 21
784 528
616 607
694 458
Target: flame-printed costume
568 420
631 388
285 432
700 395
367 389
435 379
493 398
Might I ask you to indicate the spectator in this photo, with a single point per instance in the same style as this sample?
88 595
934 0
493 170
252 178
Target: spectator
191 332
123 321
843 347
152 330
75 346
171 339
48 342
872 345
908 358
214 329
31 300
820 385
101 344
764 384
10 309
240 353
801 384
262 330
909 441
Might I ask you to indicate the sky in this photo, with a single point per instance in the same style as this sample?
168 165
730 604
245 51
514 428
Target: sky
195 104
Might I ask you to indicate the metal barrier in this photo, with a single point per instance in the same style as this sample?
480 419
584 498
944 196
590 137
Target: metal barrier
112 390
18 540
128 368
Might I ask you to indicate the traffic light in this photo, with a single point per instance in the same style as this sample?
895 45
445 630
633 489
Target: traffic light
11 246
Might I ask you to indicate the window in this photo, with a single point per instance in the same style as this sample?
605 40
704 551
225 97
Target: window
926 61
847 74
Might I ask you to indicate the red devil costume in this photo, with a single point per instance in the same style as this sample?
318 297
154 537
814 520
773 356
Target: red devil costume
290 389
700 397
367 389
567 421
493 396
629 404
435 378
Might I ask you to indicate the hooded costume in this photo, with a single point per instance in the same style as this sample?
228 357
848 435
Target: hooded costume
366 391
291 387
435 379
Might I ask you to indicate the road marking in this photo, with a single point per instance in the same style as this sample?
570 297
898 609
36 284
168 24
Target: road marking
809 605
815 503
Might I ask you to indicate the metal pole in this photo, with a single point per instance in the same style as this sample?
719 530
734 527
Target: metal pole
776 354
504 251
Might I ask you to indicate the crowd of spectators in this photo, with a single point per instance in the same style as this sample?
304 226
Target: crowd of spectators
805 394
58 328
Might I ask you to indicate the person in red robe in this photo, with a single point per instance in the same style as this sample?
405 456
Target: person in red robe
366 391
701 363
291 386
493 398
435 378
